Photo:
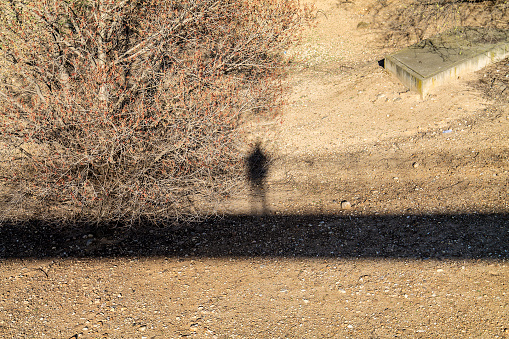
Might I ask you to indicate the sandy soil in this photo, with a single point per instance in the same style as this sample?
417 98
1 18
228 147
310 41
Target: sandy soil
387 217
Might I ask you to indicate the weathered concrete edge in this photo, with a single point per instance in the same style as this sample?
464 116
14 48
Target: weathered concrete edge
406 75
422 85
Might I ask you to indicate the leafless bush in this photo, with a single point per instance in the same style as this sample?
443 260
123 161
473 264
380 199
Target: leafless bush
494 82
129 110
406 22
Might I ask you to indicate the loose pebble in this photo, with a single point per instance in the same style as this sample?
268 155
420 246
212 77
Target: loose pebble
346 205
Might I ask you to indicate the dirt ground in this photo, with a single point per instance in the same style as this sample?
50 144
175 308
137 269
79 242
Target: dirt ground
386 216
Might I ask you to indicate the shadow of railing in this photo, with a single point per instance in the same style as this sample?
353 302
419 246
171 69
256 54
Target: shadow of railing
456 236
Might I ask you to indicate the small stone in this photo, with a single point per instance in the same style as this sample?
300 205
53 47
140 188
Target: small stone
143 328
346 205
362 25
415 165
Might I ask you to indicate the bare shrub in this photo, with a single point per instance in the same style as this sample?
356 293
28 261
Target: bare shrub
129 110
494 82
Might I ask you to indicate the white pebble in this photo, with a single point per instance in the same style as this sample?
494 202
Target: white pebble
346 205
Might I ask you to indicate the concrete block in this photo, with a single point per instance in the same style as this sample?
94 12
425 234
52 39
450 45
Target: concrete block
436 61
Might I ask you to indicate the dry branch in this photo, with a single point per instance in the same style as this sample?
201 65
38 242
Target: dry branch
135 106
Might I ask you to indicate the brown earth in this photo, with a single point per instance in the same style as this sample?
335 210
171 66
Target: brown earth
387 216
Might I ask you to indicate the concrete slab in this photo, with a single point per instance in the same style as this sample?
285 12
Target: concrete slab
435 61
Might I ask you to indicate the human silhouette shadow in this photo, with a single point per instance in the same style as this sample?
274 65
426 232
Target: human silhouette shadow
257 169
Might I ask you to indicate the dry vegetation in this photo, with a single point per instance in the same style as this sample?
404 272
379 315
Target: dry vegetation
128 111
405 22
